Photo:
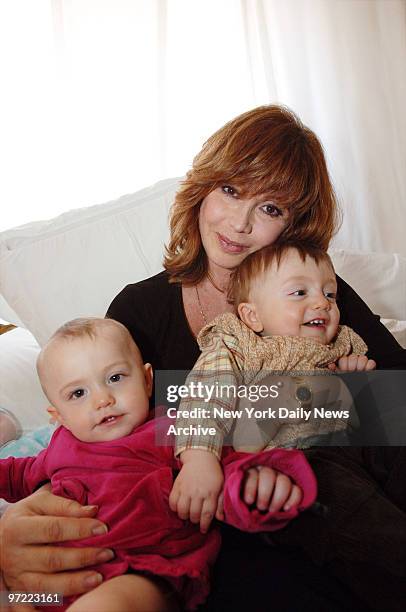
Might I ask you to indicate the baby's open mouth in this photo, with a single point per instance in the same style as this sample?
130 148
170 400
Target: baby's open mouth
110 419
315 323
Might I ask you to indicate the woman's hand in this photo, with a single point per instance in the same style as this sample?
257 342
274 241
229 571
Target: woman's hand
29 561
271 490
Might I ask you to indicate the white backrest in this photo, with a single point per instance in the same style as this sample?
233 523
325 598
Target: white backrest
75 264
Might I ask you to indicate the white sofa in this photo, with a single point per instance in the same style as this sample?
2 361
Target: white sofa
73 265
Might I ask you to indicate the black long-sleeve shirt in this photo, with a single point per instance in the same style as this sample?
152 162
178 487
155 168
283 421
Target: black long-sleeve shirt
152 310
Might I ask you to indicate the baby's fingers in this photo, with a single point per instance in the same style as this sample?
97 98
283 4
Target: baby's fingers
282 490
207 513
266 484
173 498
183 507
294 498
371 365
250 486
360 362
195 512
342 364
220 508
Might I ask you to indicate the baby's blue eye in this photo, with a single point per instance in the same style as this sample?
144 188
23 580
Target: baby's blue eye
77 393
115 378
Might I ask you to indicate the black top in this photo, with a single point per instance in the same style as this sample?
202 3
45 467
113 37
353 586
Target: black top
152 310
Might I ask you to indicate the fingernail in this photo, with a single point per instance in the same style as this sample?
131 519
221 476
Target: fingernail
93 580
99 530
90 508
105 555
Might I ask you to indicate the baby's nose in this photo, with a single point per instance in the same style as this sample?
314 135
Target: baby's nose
104 399
322 302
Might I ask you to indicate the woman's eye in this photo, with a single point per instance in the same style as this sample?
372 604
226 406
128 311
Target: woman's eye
115 378
271 210
77 394
229 190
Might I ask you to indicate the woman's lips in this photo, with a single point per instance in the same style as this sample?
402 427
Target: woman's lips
229 246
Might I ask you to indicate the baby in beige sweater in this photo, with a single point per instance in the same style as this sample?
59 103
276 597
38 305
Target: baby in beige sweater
288 323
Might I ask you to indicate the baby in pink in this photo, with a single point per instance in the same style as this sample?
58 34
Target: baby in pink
106 453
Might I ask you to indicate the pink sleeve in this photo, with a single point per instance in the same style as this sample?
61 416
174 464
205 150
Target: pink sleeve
293 463
20 476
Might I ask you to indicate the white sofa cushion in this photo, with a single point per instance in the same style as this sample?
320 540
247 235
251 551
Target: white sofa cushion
379 278
75 264
20 391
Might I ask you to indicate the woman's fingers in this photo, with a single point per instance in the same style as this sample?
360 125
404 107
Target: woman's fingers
44 502
294 498
50 559
48 529
67 583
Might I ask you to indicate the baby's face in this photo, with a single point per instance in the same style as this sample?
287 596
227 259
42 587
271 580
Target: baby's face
98 386
296 299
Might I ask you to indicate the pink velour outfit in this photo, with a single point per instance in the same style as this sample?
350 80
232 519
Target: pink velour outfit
130 479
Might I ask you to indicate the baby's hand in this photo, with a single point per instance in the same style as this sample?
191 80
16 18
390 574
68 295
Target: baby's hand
196 490
271 490
353 363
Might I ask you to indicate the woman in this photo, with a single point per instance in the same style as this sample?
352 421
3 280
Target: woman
260 176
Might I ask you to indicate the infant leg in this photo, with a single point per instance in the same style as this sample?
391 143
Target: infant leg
128 593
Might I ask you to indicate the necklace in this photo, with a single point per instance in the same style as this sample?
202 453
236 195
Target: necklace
210 279
204 317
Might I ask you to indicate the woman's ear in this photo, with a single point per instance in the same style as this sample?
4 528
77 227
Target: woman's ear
54 415
249 315
149 377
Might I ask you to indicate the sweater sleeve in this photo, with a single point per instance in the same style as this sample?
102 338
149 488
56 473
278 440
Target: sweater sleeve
20 476
293 463
214 370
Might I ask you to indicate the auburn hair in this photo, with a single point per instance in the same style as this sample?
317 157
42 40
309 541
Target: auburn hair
256 264
265 152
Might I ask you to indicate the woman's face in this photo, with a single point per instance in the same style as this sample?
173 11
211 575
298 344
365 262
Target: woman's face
232 227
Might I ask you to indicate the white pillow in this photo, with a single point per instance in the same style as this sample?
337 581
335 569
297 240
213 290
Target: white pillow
20 391
397 329
379 278
75 264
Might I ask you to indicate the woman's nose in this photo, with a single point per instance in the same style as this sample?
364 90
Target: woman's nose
240 219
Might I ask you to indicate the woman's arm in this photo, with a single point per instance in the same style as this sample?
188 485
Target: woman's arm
30 563
382 346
